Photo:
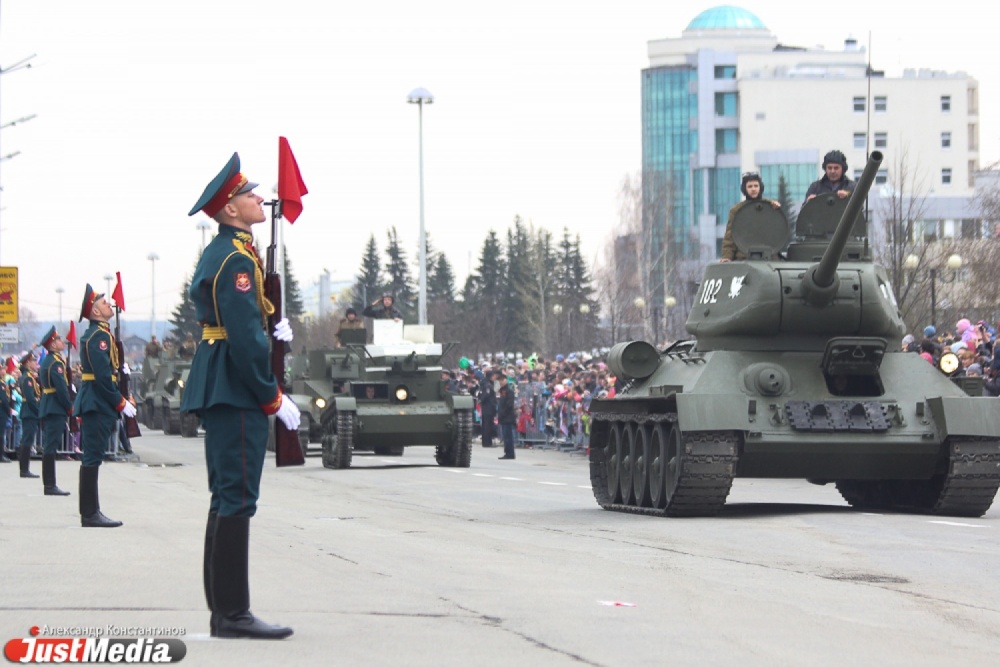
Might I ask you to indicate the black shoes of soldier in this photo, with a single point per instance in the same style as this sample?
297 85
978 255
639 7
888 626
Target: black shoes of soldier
90 502
98 520
505 457
27 474
53 490
244 625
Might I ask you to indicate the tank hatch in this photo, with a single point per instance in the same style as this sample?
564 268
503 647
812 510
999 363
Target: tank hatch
759 230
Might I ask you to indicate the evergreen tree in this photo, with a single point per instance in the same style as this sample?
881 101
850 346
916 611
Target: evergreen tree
519 290
784 198
294 306
400 283
368 283
182 319
441 281
484 295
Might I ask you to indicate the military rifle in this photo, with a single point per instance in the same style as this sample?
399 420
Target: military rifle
287 450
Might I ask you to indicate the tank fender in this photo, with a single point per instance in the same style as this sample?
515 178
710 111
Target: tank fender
461 402
721 412
348 403
972 416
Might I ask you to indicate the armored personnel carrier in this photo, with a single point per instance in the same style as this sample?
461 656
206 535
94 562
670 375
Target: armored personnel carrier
388 396
791 375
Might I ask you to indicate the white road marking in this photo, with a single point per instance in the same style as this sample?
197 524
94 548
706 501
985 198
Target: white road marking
481 474
554 483
963 525
513 479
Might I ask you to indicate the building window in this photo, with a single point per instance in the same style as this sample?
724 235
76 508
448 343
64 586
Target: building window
946 176
881 103
725 71
946 103
946 140
972 228
727 141
860 140
857 173
973 137
973 168
881 177
725 104
881 139
859 104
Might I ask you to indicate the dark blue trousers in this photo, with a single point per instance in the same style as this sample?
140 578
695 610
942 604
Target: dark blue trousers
235 445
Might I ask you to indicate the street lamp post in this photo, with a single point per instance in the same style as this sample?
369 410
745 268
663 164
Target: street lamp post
152 257
954 263
668 302
204 226
557 310
107 280
584 311
420 97
59 291
639 304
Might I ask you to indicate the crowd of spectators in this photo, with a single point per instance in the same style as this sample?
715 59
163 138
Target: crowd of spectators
973 344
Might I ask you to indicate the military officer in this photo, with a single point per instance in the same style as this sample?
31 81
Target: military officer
54 407
99 403
29 412
231 387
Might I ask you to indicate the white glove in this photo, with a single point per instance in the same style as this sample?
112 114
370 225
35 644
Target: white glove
288 413
125 369
283 331
128 410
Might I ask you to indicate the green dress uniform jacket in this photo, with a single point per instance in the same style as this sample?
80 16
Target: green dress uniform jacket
55 391
29 397
99 363
232 363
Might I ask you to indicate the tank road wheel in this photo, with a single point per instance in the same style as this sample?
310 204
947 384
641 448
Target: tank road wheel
658 440
626 474
699 472
457 454
338 446
189 425
173 425
612 461
599 453
641 456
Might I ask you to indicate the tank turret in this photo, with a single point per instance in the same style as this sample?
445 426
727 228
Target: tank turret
826 285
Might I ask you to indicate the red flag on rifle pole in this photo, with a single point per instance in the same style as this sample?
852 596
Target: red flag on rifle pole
119 295
71 336
290 185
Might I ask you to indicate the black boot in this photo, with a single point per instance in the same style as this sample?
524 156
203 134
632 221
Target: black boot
231 586
207 567
49 476
90 503
24 457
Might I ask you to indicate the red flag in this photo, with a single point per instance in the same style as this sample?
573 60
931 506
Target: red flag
71 336
290 185
118 295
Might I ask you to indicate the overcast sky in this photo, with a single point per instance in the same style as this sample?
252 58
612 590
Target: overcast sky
536 114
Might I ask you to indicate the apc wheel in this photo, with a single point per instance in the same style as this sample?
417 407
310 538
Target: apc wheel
189 425
458 454
626 475
173 422
304 428
658 440
641 458
343 445
612 461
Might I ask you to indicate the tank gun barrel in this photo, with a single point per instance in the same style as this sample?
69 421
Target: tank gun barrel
825 272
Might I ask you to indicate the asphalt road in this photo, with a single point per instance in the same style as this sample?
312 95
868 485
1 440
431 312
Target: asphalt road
399 562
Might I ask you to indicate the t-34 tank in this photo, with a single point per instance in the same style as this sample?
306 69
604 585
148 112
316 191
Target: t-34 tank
393 397
791 376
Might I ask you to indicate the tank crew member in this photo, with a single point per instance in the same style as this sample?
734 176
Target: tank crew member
834 179
98 404
752 188
54 407
153 348
187 348
350 321
383 308
29 412
231 388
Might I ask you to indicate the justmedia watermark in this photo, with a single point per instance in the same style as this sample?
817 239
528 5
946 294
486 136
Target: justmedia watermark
98 644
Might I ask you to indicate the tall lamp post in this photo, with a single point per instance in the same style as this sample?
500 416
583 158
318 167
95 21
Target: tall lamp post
954 263
557 310
59 291
420 97
639 304
204 226
668 302
107 280
152 257
584 311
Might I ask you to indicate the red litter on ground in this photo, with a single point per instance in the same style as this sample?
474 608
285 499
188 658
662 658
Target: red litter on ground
615 603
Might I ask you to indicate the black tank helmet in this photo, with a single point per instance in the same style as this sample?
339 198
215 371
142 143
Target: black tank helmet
835 157
751 176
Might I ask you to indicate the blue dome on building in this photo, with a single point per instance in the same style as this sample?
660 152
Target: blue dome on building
726 17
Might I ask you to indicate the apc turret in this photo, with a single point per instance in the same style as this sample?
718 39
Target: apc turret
790 375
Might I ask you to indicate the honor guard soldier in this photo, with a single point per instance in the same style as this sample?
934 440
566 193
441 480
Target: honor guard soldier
29 412
232 389
98 404
54 408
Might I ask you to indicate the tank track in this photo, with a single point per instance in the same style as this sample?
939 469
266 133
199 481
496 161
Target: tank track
338 447
459 453
708 467
967 488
